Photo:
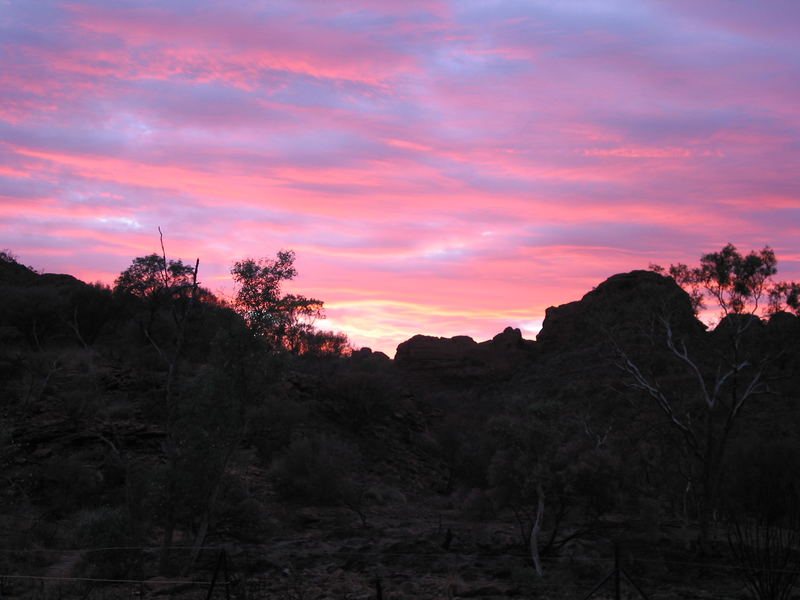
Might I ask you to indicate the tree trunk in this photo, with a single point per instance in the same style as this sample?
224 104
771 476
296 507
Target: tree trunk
537 526
166 544
200 538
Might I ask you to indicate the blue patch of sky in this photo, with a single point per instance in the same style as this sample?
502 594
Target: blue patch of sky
69 139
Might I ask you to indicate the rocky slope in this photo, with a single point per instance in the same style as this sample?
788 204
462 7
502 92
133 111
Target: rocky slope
355 477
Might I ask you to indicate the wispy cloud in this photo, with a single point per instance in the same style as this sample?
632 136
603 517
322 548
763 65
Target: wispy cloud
439 167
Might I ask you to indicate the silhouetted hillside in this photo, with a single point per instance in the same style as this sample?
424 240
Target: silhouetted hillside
162 426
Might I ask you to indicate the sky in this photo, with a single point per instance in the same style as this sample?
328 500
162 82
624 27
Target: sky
438 167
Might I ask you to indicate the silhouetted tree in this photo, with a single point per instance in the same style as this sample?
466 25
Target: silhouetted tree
556 482
159 282
153 276
785 294
310 341
171 286
282 319
718 374
736 283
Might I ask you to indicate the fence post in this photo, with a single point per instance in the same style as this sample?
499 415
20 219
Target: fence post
227 575
220 558
617 574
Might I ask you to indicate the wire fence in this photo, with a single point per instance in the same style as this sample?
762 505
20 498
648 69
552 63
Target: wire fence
107 573
216 575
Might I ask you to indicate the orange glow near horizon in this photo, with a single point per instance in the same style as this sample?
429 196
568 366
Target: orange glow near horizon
439 168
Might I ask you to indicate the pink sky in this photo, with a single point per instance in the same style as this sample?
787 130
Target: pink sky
439 167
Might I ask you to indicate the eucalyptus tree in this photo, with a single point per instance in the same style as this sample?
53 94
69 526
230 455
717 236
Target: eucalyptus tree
710 378
281 319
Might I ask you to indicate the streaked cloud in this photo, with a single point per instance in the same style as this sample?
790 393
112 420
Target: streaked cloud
439 167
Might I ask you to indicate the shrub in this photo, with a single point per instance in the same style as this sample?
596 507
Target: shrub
272 425
319 470
106 531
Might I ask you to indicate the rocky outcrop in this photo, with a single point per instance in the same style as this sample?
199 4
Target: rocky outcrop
428 352
784 321
367 355
624 305
509 339
15 274
461 358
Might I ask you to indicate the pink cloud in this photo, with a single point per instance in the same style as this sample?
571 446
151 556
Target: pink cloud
180 45
442 168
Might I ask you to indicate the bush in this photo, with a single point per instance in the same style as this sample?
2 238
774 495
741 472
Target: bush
364 399
319 470
107 531
68 484
272 425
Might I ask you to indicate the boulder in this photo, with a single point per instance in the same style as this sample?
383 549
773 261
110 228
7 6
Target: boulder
784 324
461 358
425 351
624 305
366 354
509 338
